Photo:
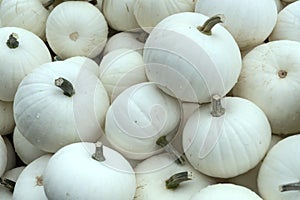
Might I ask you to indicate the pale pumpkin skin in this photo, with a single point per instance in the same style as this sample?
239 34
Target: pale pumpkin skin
152 173
30 15
278 168
71 35
228 145
55 119
11 154
3 156
7 122
288 23
199 65
250 22
24 149
5 194
270 77
225 191
120 69
110 179
138 117
149 13
85 62
17 62
30 181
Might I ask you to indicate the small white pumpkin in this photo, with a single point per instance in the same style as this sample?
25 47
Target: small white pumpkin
250 22
7 122
138 117
11 154
119 14
107 174
21 52
288 23
27 14
53 103
149 13
71 35
225 191
204 60
24 149
120 69
162 175
270 75
30 181
226 141
3 156
278 177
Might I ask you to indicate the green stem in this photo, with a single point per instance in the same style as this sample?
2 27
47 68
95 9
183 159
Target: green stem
174 181
48 4
290 187
163 142
98 155
217 109
8 183
65 85
12 41
209 24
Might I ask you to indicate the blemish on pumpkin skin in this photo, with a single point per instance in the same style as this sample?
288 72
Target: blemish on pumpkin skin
39 180
74 36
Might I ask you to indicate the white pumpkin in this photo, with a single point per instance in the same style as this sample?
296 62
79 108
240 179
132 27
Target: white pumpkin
107 172
53 103
7 122
250 22
200 63
128 40
149 13
119 14
24 149
27 14
288 23
30 181
21 52
249 179
5 194
226 141
161 176
120 69
225 191
278 177
70 34
3 156
85 62
271 71
11 154
138 117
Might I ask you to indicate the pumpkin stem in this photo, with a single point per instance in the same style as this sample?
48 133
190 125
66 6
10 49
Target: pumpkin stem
12 41
48 4
210 23
9 184
65 85
98 155
217 109
174 181
289 187
163 142
143 37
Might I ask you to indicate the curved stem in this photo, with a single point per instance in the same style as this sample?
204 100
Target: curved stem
12 41
163 142
65 85
48 4
217 109
174 181
210 23
290 187
98 155
9 184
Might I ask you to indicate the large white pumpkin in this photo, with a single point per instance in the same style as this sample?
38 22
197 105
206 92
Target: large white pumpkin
226 141
7 122
249 21
269 78
75 173
72 33
138 117
53 103
279 169
190 59
20 52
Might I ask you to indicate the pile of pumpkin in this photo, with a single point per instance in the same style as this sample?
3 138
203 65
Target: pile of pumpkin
147 99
